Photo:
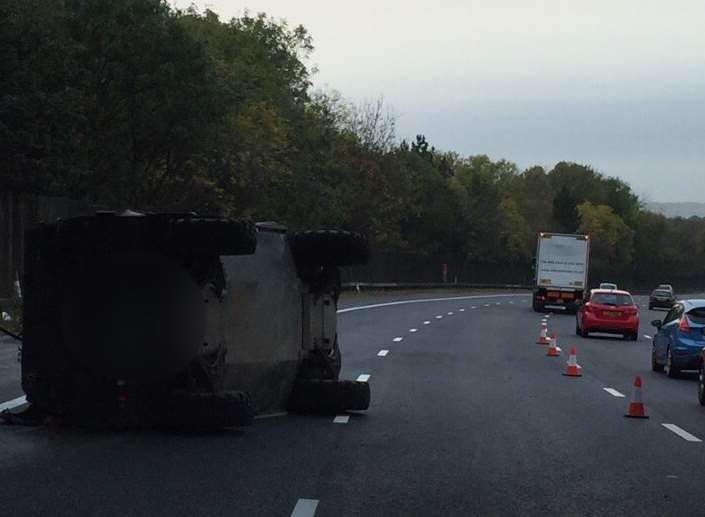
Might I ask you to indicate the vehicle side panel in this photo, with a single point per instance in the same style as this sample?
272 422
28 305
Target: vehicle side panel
261 322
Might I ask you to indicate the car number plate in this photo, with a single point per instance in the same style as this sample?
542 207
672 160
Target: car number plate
611 314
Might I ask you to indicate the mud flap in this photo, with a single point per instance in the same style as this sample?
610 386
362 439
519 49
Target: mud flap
316 396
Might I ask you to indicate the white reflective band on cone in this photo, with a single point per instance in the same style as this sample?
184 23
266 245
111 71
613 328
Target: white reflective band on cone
636 394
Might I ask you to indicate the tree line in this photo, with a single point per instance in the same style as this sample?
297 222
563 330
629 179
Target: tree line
132 103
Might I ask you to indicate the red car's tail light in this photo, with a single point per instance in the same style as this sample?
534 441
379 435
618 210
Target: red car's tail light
590 308
631 311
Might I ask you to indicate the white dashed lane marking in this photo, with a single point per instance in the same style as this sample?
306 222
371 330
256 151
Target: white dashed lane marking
413 330
461 310
450 313
397 339
473 307
439 317
614 392
682 433
382 353
363 378
487 305
498 303
647 336
426 322
341 419
11 404
305 508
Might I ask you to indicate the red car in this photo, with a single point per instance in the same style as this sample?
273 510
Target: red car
608 311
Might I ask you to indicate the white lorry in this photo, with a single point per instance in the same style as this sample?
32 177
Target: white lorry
561 271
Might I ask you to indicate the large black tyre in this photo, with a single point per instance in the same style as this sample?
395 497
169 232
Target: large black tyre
654 365
671 370
315 248
328 397
207 411
701 384
185 234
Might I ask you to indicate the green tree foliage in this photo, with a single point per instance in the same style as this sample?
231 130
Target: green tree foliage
611 239
132 103
102 100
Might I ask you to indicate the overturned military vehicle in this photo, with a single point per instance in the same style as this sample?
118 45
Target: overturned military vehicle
183 321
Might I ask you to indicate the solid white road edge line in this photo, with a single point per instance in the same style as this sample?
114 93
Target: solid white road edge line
363 378
382 353
614 392
425 300
11 404
341 419
682 433
305 508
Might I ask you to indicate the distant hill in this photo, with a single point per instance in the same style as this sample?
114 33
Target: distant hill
678 209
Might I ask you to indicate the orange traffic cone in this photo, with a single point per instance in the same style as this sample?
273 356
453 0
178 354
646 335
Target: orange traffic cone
553 350
636 407
572 368
543 335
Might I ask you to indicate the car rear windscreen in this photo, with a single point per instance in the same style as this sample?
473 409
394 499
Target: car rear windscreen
662 293
697 315
612 299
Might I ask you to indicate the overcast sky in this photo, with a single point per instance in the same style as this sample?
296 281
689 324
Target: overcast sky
617 84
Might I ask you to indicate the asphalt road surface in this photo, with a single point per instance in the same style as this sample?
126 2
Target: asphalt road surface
468 417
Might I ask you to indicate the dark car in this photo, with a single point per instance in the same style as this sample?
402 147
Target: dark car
680 338
661 298
201 350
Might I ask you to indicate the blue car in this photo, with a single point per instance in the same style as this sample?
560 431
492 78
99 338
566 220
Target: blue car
680 338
